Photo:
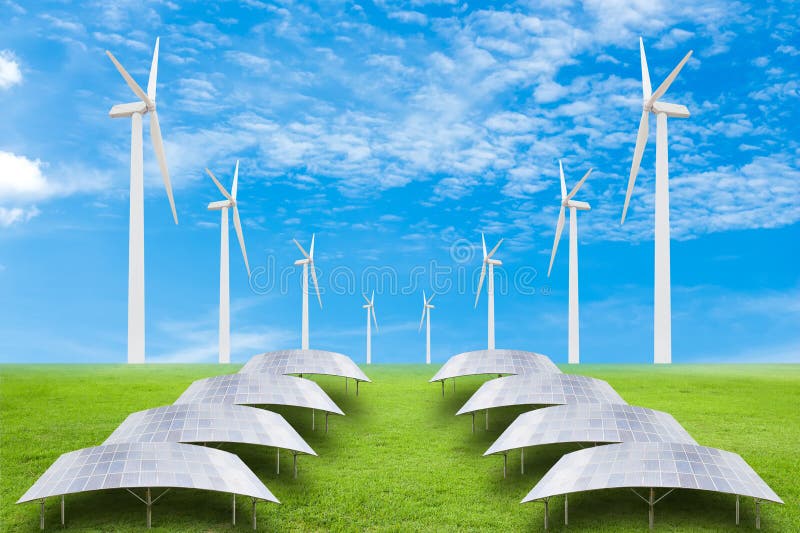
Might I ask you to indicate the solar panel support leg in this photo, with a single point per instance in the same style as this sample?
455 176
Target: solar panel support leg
278 461
62 509
233 510
254 514
505 464
737 509
295 464
473 421
313 419
149 503
487 420
566 509
652 507
546 512
326 422
758 513
522 460
41 514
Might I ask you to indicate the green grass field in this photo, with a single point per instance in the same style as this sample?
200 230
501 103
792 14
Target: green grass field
400 460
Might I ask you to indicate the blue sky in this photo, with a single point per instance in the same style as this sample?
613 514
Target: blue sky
398 131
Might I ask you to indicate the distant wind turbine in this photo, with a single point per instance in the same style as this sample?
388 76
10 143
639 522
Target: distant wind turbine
574 206
135 110
370 307
224 260
426 317
662 327
308 263
487 260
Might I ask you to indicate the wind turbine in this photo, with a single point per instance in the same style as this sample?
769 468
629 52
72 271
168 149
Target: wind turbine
307 263
662 327
370 307
224 260
487 260
135 110
574 206
426 316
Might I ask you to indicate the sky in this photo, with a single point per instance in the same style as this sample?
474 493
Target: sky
397 132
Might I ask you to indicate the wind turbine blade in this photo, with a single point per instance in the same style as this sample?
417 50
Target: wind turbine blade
316 285
235 180
422 319
311 248
431 298
365 298
301 249
559 228
496 246
151 83
667 82
372 300
480 284
563 183
646 90
483 243
131 83
219 185
374 320
158 145
641 141
578 185
237 224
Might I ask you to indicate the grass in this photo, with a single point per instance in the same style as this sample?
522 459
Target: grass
399 460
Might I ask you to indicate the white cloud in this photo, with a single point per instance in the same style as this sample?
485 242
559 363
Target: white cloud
10 73
409 17
12 215
22 178
253 63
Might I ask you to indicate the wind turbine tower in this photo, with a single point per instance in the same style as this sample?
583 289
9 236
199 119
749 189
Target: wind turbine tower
135 111
662 326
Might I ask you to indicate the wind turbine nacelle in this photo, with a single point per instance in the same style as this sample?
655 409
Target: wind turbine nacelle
222 204
580 206
671 110
126 110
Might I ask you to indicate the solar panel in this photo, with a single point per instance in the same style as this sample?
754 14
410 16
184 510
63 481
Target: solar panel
148 465
495 362
540 389
305 362
206 422
590 423
259 389
652 465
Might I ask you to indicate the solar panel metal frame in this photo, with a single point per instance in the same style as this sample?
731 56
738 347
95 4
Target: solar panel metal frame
607 423
495 362
652 465
133 465
207 422
305 362
540 389
259 389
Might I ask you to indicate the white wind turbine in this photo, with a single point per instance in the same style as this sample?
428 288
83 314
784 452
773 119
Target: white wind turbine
370 307
426 317
308 263
487 260
135 110
224 260
662 327
574 206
